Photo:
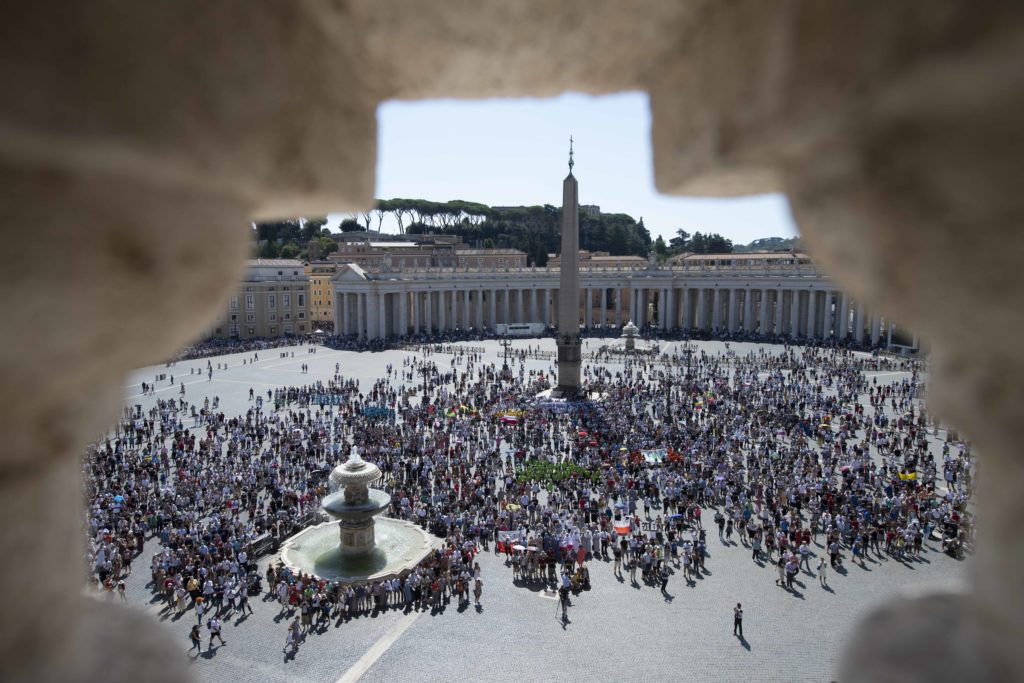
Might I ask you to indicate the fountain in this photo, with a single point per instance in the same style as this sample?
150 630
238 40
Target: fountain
629 332
354 546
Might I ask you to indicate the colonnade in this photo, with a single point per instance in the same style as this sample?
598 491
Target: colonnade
381 309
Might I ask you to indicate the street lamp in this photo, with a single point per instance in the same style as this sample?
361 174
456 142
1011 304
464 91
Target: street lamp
506 343
425 399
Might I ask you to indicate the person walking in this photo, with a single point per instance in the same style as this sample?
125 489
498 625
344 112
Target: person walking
291 644
214 625
822 568
737 620
197 640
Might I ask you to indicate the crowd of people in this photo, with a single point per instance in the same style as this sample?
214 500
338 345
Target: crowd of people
798 452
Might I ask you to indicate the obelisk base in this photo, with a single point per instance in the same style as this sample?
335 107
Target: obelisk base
569 361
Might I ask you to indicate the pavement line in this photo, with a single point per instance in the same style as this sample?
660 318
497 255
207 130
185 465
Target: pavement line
378 649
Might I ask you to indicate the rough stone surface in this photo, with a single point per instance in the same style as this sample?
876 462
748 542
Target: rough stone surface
135 138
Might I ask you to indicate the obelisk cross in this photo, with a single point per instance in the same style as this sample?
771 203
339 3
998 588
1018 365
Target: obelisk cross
570 155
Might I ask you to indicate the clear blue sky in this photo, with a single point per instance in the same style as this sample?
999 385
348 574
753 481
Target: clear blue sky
514 152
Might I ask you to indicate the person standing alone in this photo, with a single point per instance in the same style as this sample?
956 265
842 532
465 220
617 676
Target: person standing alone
737 620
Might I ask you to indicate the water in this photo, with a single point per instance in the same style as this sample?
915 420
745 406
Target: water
399 546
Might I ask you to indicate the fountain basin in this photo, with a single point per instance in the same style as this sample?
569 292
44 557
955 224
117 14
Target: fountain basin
337 506
399 546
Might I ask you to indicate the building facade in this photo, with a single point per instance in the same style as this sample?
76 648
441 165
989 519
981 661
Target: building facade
321 291
773 294
272 300
423 251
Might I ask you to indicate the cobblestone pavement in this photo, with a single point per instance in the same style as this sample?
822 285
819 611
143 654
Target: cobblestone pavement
616 631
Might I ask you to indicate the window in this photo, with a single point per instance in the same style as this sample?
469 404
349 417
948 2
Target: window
287 316
286 301
295 272
234 302
287 329
234 317
272 301
302 300
280 272
302 316
285 289
302 328
272 316
250 317
250 301
218 330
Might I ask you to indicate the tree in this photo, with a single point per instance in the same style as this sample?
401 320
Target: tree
311 227
290 251
660 248
680 243
350 225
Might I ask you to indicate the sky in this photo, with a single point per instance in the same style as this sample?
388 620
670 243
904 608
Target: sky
513 152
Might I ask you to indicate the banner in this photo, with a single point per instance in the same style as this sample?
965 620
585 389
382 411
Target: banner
656 455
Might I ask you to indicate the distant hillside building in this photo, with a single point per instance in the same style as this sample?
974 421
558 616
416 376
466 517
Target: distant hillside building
600 259
423 251
271 301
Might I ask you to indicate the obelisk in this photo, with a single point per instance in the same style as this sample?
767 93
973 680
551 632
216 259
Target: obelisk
569 291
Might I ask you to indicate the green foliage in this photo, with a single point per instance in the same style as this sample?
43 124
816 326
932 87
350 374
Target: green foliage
699 243
290 251
550 473
771 244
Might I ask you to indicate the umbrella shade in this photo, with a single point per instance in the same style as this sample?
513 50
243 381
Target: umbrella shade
531 547
513 506
518 547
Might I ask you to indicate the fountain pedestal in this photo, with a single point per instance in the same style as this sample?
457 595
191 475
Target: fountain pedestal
360 549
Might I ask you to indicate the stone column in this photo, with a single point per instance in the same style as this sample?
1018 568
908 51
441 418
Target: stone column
733 310
765 327
748 310
716 311
382 313
603 306
812 314
506 305
702 310
843 314
618 307
858 322
428 311
362 314
402 297
467 319
479 293
794 313
493 306
876 327
687 313
441 309
672 310
372 316
341 313
588 320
